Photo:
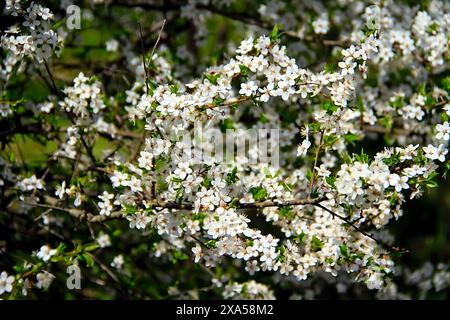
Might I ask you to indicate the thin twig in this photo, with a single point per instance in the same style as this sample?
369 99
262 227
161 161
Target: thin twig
318 149
371 236
105 269
157 40
52 79
143 57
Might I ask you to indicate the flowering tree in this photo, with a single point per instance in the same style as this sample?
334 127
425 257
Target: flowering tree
111 185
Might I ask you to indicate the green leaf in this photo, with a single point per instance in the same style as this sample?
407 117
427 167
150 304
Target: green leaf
430 181
330 180
200 217
301 237
129 209
286 186
316 244
91 247
232 177
218 101
174 88
212 77
314 127
226 124
255 101
330 140
330 67
445 83
258 193
61 247
275 33
211 244
87 258
397 103
287 212
309 174
344 250
19 268
329 107
351 138
446 169
281 253
346 158
393 160
393 199
362 157
207 182
267 172
263 118
11 157
387 122
178 256
244 70
159 163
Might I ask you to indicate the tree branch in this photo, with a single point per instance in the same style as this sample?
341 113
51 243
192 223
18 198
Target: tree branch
236 16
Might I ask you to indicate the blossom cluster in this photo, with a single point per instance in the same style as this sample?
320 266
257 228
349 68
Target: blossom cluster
34 38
